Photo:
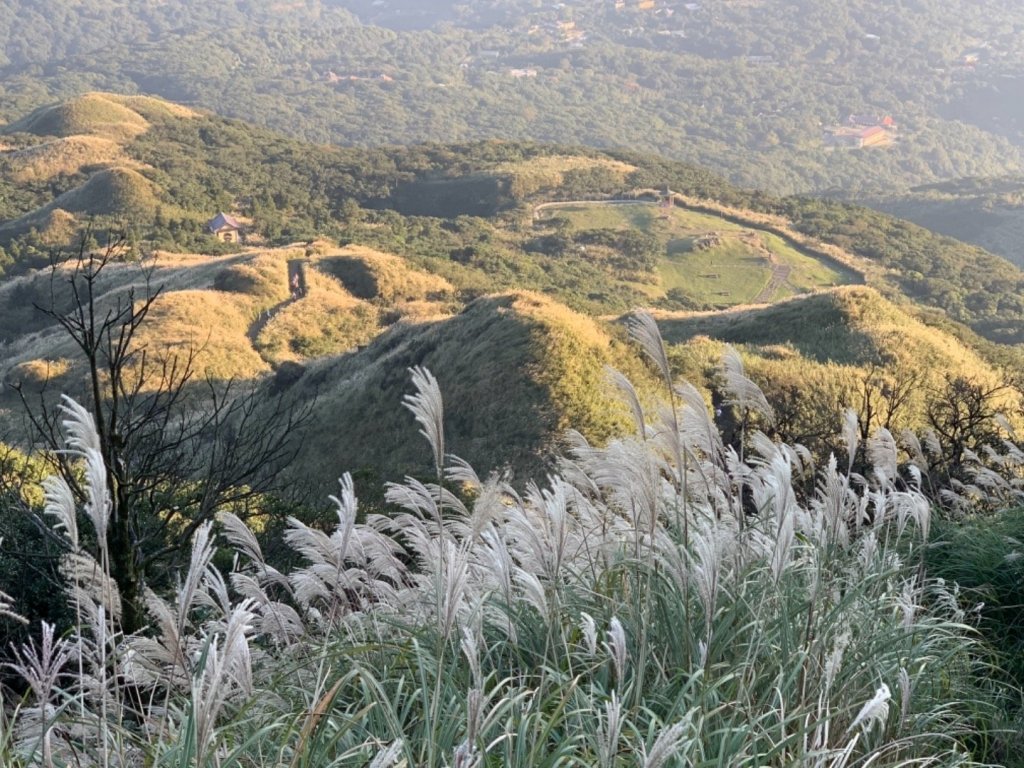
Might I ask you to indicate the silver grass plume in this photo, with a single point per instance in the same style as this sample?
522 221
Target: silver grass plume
192 592
59 502
932 444
834 661
671 742
616 647
742 392
588 628
471 650
912 445
388 756
167 653
705 568
625 386
427 407
461 471
874 712
227 672
609 731
83 440
851 436
241 537
644 331
882 455
90 585
906 689
40 666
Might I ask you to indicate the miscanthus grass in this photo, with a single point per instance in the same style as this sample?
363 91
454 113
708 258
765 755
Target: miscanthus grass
660 601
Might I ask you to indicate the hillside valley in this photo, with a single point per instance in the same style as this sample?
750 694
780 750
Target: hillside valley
484 261
516 385
987 212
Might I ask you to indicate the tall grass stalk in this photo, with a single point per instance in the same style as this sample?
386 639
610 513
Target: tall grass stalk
612 616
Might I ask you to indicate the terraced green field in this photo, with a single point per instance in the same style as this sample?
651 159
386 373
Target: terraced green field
710 261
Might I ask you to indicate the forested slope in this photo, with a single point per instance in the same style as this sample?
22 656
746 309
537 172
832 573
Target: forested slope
745 88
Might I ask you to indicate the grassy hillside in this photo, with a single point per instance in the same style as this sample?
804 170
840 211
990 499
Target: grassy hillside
817 356
106 115
582 229
518 370
117 194
480 235
68 156
93 114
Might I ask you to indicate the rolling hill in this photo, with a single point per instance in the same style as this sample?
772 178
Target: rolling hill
508 289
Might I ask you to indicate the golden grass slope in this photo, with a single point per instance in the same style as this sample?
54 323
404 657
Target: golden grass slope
188 314
98 114
263 278
816 354
208 324
118 192
846 325
382 277
93 114
70 155
515 369
327 320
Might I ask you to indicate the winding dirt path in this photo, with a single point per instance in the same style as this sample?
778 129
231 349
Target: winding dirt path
297 289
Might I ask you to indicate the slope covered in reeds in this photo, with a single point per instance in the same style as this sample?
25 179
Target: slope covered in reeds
631 609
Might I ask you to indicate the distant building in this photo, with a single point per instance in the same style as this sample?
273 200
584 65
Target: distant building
870 121
225 228
873 136
857 137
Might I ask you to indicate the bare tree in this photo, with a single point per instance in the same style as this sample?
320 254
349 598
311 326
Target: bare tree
882 395
178 447
962 413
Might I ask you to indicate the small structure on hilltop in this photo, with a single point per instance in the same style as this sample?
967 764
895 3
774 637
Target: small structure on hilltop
225 228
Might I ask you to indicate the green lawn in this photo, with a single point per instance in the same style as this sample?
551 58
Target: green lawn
738 269
731 273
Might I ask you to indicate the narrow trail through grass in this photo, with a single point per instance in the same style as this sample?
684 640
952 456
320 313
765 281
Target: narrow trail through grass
297 289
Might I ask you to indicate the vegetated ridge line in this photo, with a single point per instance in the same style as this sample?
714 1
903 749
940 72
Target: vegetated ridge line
296 290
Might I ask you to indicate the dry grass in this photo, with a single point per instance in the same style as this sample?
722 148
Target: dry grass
64 156
58 228
548 172
262 278
422 311
113 191
521 366
328 320
824 346
852 324
150 107
382 277
213 324
95 114
121 192
37 375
